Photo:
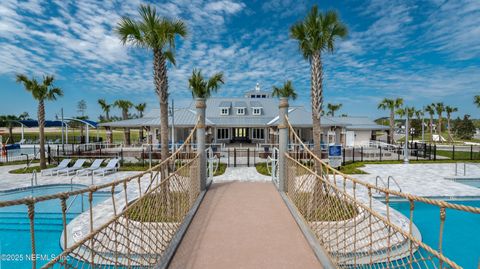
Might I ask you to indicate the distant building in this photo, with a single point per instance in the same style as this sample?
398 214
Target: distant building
253 118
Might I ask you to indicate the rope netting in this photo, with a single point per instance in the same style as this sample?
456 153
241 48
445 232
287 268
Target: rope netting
353 220
131 226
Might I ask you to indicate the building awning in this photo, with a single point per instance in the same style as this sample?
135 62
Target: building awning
55 123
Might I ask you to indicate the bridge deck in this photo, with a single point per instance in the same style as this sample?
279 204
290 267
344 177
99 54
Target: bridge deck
243 225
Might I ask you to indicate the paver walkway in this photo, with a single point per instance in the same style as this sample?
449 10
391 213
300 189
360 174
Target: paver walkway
243 225
242 174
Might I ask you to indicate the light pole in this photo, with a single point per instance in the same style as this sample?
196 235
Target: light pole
405 147
423 125
171 112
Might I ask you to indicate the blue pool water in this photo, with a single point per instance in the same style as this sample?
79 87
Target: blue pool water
15 247
461 239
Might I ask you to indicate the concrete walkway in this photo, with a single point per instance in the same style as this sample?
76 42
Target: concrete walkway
243 225
242 174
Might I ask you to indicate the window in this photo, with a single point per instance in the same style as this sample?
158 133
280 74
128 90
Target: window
252 96
264 96
258 133
241 111
223 133
256 111
224 111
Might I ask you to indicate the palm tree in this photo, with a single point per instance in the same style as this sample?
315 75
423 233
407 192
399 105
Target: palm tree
449 111
286 90
105 107
431 111
439 108
124 105
140 109
419 115
157 34
316 34
476 100
23 116
202 88
332 108
44 91
391 104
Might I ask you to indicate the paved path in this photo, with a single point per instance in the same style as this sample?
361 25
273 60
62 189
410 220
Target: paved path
243 225
242 174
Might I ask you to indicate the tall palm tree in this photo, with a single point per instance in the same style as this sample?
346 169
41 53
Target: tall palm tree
23 116
202 88
449 110
419 115
44 91
430 109
157 34
476 100
140 109
124 105
391 104
439 108
317 34
105 107
287 90
332 108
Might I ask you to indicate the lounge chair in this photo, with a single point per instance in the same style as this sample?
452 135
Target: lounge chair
62 165
89 170
111 167
71 170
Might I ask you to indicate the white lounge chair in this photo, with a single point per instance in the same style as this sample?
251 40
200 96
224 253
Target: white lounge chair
111 167
62 165
89 170
71 170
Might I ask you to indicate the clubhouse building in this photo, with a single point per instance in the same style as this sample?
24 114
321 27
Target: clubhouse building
252 119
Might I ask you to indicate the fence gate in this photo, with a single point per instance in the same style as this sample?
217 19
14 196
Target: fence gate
272 165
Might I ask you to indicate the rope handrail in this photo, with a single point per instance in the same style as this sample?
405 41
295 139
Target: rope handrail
378 215
407 196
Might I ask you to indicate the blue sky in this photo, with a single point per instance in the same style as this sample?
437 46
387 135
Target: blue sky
424 51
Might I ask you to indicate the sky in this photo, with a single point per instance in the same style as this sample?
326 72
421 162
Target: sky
423 51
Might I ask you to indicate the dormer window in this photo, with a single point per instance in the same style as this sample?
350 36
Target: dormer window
224 111
241 111
256 111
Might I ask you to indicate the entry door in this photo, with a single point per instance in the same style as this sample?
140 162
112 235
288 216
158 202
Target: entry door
350 139
240 133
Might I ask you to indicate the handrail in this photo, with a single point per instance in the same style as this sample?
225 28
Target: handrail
34 177
396 183
71 203
376 182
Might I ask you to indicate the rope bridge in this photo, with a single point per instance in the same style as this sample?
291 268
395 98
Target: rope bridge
134 226
355 229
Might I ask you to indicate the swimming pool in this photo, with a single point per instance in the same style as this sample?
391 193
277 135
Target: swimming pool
15 245
461 238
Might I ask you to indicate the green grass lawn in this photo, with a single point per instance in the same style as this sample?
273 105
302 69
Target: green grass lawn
262 169
221 169
459 155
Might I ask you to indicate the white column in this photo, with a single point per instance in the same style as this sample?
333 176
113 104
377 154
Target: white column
201 107
88 134
282 142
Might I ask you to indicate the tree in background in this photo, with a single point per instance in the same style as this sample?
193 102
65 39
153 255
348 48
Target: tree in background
124 106
24 116
430 109
157 34
44 91
449 110
317 34
439 108
332 108
202 88
391 104
476 100
140 109
287 90
105 107
464 128
81 109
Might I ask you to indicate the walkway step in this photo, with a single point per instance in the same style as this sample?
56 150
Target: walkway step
243 225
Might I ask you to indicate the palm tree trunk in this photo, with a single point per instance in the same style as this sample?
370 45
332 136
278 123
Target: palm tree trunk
317 99
439 129
431 128
10 134
392 126
126 130
107 116
449 130
161 88
41 126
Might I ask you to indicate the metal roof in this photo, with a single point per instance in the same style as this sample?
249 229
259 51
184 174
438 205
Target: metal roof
225 104
255 104
240 104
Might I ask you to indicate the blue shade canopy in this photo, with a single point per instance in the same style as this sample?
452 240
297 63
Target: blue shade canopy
54 123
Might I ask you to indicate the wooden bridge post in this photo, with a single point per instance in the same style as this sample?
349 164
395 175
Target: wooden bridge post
201 107
282 142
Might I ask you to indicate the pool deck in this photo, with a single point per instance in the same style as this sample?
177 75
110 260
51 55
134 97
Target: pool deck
427 180
14 181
